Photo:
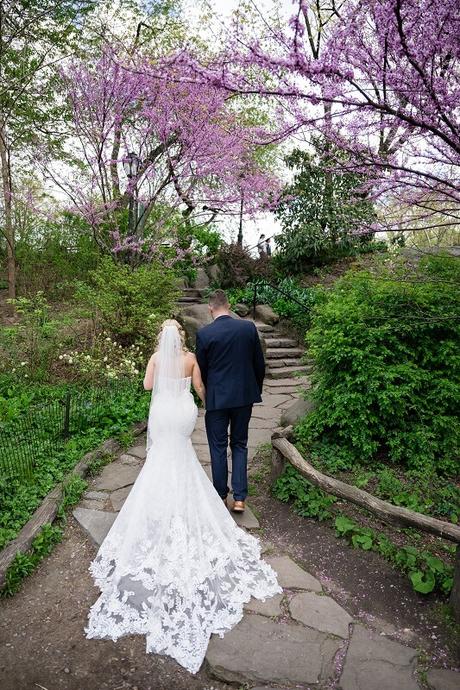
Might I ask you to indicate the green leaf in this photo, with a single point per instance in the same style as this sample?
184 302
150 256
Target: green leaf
423 582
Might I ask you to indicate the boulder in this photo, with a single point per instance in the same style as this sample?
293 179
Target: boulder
201 281
191 325
195 316
213 273
241 309
266 314
297 411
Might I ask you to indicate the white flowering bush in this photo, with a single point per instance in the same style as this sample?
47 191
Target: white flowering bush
105 360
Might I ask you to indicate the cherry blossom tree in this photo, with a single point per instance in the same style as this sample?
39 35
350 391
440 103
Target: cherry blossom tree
195 157
381 80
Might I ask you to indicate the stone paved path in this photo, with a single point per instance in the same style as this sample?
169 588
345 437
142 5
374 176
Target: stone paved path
302 638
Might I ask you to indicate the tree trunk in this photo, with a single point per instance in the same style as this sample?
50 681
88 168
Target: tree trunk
387 512
8 214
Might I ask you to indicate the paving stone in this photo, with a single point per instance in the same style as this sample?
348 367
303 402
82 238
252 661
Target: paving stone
260 650
321 613
96 523
246 519
269 687
118 497
266 411
292 576
93 505
126 459
199 437
270 607
96 495
278 399
258 436
139 451
267 423
443 679
376 663
270 384
115 476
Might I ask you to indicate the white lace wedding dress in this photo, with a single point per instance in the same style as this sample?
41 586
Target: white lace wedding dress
174 566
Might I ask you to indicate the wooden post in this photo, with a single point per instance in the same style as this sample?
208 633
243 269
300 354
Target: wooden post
455 593
278 464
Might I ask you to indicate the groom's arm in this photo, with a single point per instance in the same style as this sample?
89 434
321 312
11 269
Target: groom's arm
258 361
201 357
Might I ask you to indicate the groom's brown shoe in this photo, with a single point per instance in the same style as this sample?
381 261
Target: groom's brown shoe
238 507
225 502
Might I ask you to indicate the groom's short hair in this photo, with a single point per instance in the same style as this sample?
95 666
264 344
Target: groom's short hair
218 299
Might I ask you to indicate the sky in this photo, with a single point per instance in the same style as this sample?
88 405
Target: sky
265 223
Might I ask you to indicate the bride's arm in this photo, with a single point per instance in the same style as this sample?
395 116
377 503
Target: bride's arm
148 378
197 381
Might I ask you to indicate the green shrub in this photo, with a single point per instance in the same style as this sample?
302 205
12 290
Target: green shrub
129 303
289 299
387 368
237 266
30 347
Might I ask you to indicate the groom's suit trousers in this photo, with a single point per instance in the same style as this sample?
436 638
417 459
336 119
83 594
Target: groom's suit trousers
217 424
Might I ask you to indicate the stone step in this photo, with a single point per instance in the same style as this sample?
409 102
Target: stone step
288 372
192 292
264 327
278 363
280 342
189 300
280 352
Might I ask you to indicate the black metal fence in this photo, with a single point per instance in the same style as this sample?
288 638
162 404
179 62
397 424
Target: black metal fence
44 428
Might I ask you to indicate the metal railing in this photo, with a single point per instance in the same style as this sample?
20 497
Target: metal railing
261 282
44 429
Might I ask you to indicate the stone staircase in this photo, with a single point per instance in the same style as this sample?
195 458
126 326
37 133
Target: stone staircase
190 296
284 357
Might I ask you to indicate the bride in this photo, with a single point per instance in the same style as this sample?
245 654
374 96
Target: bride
174 566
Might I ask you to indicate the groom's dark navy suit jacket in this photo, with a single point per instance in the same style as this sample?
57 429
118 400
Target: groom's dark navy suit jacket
232 364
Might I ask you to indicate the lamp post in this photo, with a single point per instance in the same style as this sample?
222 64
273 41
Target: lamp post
131 165
240 230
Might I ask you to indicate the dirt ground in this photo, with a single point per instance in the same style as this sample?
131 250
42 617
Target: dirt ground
43 643
362 582
42 627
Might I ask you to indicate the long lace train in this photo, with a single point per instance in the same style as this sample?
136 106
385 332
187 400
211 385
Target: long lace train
175 567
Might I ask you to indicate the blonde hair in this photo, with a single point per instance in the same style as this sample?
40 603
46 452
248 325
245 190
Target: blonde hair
173 322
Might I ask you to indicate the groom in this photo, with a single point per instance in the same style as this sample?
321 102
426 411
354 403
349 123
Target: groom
233 369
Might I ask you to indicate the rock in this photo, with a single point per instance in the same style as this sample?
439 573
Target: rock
190 326
115 476
266 314
139 451
270 607
321 613
246 519
292 576
201 281
443 679
118 497
129 460
241 309
95 522
96 495
376 663
213 273
259 650
297 411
